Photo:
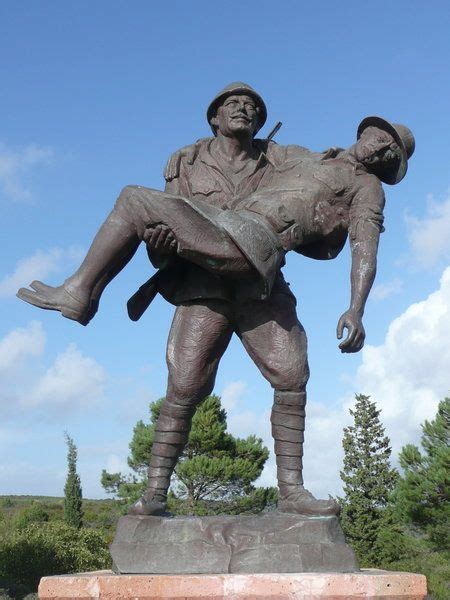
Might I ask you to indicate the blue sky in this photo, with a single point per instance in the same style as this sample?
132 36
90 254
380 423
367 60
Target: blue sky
96 96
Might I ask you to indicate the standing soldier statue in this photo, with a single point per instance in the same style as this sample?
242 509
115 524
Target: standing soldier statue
233 206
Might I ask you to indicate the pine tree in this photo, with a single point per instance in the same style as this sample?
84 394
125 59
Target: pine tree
73 510
368 479
423 491
215 473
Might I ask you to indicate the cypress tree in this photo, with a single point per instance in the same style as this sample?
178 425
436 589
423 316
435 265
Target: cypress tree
73 497
368 479
423 491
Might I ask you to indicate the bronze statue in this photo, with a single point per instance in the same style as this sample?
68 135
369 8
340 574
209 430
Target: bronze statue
233 206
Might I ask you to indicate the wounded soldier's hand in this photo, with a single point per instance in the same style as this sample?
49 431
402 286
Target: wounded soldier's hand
160 239
356 335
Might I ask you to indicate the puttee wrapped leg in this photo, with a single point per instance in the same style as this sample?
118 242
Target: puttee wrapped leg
171 436
288 426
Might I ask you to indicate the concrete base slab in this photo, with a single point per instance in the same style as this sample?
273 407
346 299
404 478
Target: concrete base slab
368 583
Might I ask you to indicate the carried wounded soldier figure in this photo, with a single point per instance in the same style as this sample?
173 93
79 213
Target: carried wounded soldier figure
311 199
310 203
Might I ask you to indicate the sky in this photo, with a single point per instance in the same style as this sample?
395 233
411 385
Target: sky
96 96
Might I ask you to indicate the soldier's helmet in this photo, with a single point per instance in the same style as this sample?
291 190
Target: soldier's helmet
404 138
237 87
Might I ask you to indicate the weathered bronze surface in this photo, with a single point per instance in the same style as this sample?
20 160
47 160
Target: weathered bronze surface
272 542
232 208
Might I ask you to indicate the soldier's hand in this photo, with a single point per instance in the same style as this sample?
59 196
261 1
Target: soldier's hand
352 322
172 168
161 239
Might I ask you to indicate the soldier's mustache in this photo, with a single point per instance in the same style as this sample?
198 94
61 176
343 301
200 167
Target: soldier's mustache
241 116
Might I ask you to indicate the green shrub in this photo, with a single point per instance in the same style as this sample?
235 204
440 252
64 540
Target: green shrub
434 565
9 590
33 514
50 549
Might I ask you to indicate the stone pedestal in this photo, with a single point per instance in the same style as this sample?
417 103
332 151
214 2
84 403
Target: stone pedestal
373 584
272 542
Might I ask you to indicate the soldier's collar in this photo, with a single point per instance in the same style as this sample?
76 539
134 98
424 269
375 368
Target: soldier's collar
207 157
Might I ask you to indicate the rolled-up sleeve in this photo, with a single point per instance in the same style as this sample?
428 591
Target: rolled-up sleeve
366 211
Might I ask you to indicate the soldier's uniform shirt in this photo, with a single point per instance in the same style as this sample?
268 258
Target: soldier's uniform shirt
206 180
302 200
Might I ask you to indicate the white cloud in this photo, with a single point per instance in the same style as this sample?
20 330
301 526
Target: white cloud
406 376
322 450
16 165
28 384
323 444
20 344
28 478
429 236
249 422
409 373
9 436
72 380
232 393
115 464
39 265
381 291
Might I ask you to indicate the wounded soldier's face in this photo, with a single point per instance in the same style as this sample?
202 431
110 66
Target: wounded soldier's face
377 147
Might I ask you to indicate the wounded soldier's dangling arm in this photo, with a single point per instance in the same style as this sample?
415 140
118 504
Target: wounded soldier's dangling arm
366 224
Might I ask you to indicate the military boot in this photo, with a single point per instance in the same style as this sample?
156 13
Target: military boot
171 436
288 426
78 297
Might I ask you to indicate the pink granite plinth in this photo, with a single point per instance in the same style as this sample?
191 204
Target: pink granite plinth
368 583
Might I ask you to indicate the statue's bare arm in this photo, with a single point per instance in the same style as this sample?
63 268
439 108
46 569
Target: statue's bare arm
364 238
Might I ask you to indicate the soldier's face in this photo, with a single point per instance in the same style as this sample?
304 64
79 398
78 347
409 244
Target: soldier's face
376 147
236 116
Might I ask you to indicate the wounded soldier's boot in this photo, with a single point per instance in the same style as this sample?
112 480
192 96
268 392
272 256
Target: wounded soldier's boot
57 298
288 425
78 297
